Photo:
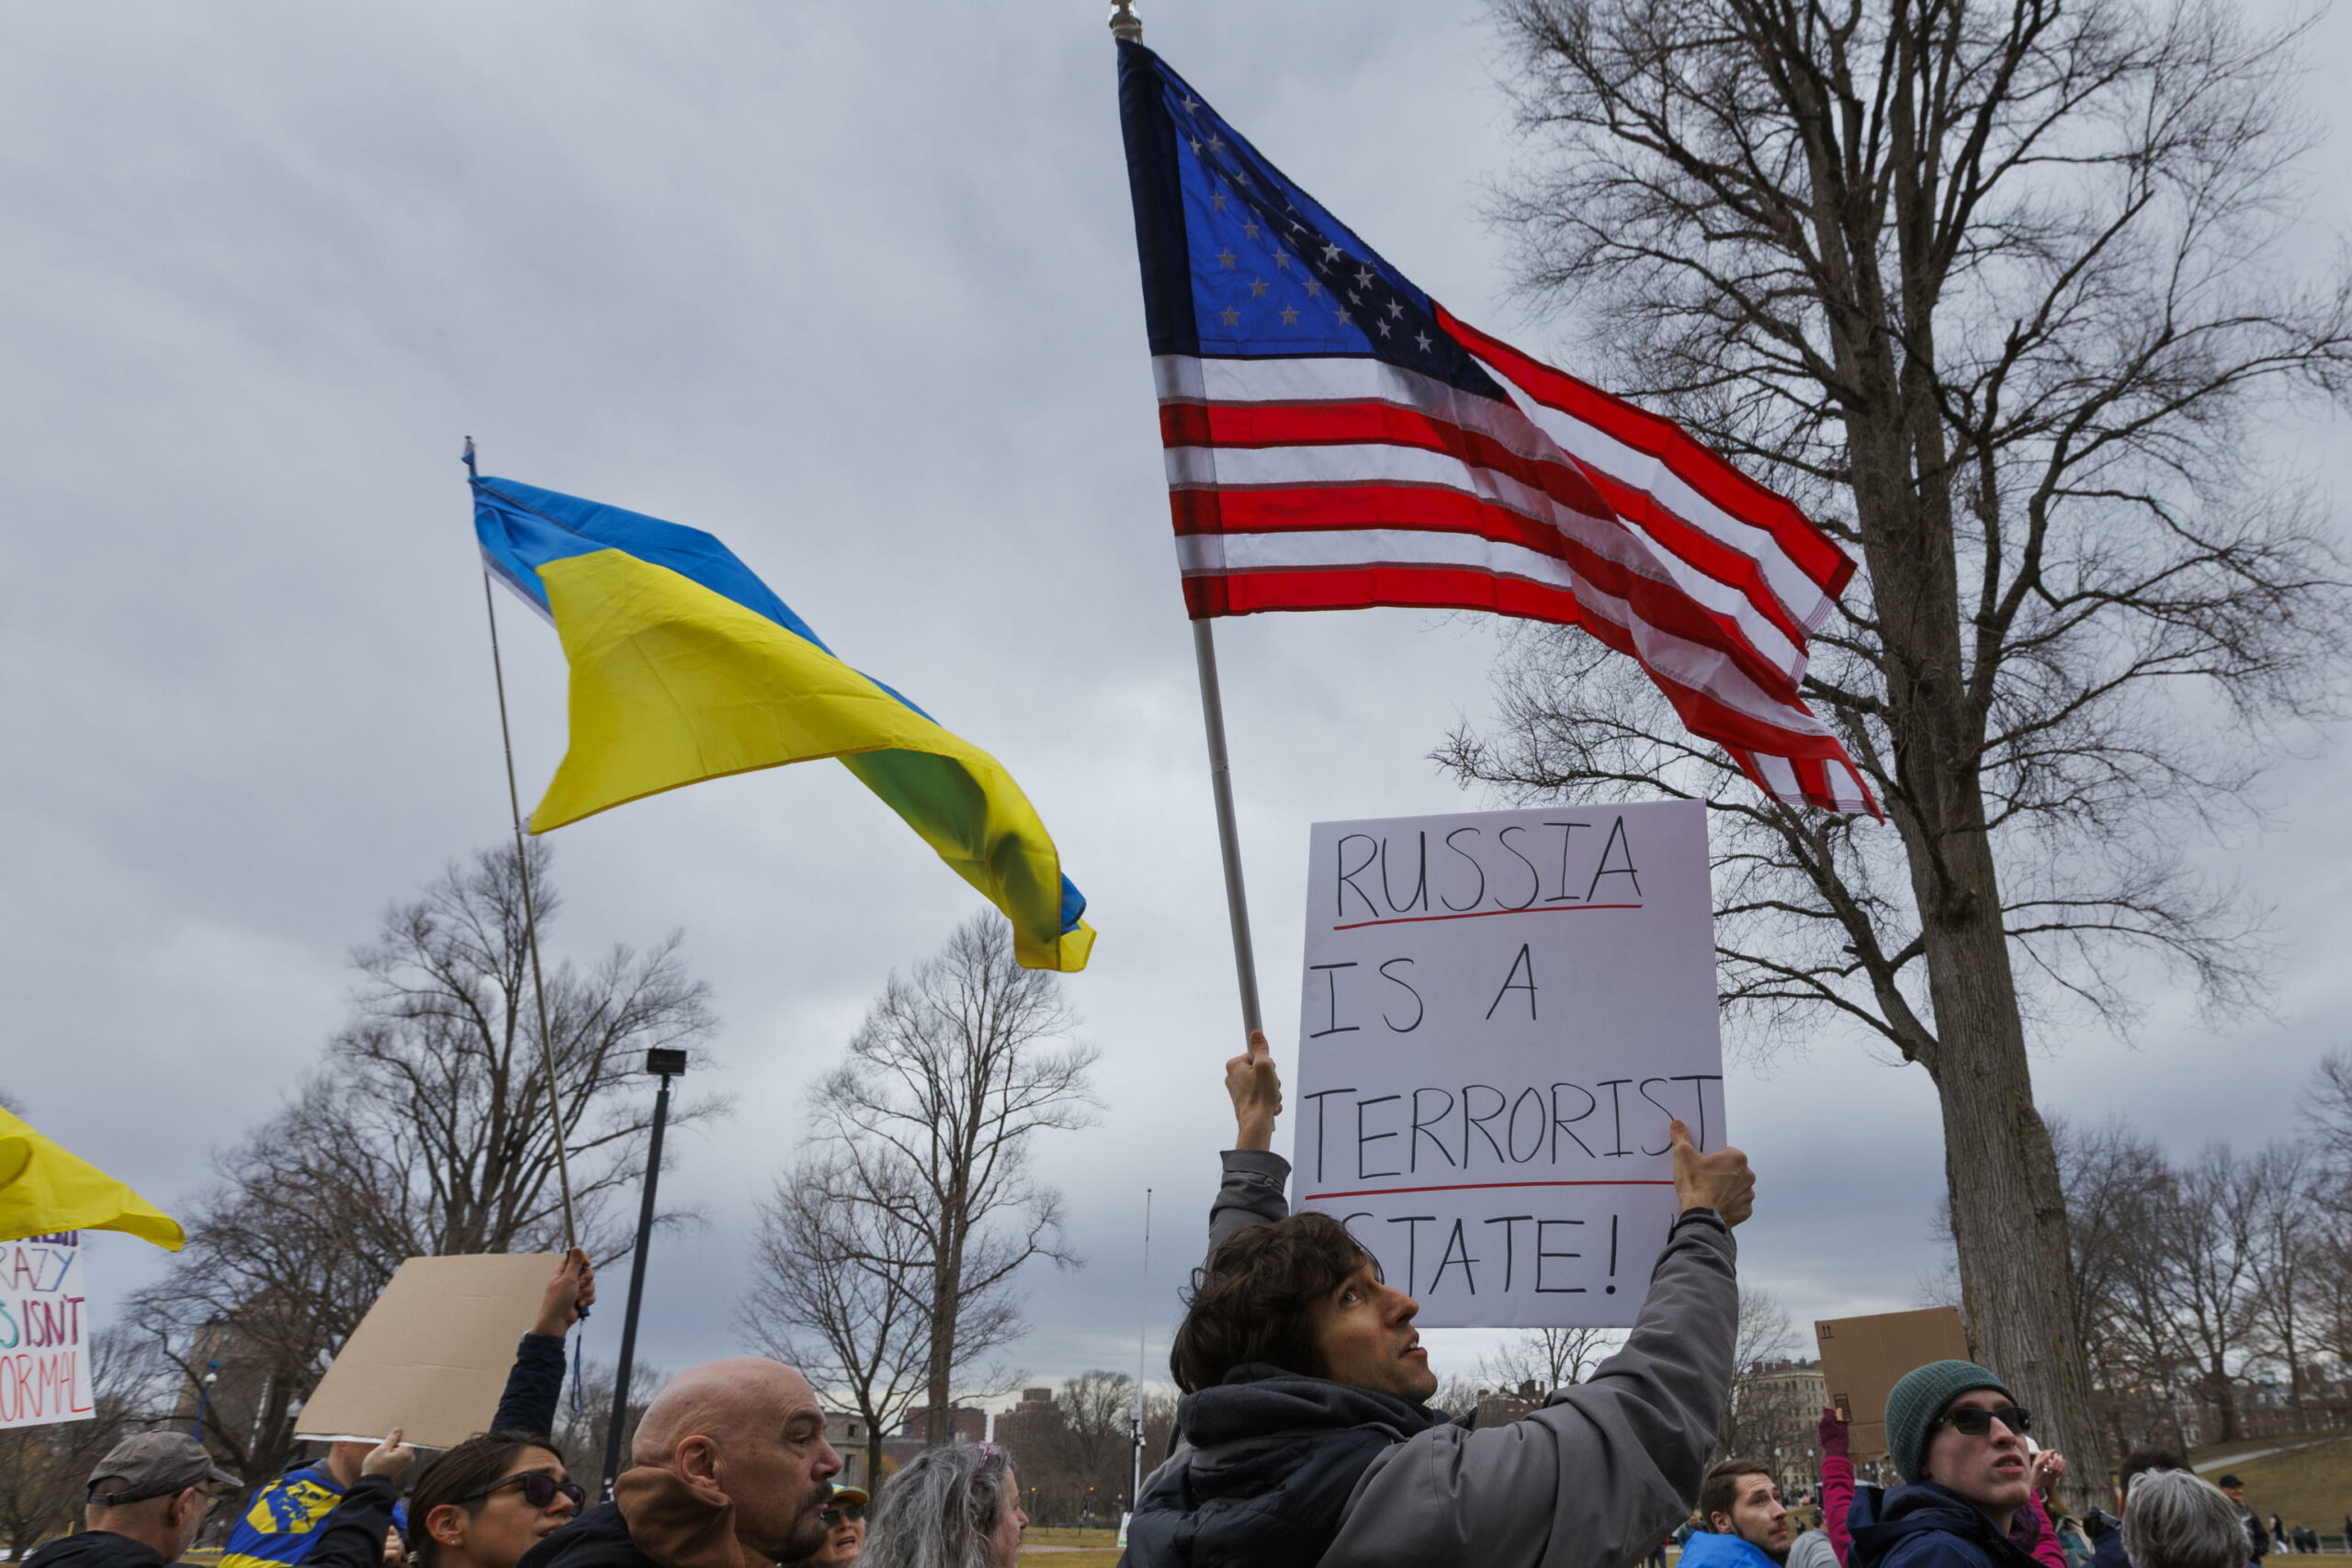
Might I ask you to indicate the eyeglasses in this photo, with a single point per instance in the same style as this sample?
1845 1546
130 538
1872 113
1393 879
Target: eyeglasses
539 1488
1975 1422
835 1515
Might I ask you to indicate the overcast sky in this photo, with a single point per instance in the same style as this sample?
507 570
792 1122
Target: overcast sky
854 288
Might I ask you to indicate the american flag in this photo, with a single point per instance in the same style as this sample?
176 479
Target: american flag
1336 439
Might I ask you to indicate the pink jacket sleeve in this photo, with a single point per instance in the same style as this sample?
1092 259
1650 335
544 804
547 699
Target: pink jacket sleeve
1838 1501
2046 1549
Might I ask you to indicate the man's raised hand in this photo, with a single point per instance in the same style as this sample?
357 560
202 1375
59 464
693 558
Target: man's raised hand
389 1457
1256 1093
1719 1182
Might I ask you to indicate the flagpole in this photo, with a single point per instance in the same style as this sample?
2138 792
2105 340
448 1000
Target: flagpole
530 910
1236 900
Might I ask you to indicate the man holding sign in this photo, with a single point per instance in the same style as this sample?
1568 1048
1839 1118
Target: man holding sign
1302 1437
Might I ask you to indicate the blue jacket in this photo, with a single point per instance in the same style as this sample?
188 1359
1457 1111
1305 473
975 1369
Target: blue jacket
1928 1526
1705 1551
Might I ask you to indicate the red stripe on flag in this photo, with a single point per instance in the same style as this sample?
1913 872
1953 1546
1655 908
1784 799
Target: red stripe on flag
1742 498
1446 588
1436 509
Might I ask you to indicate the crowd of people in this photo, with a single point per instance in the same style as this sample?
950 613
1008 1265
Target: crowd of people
1303 1437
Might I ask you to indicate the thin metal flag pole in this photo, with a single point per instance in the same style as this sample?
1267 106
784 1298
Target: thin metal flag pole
1143 1355
530 910
1236 898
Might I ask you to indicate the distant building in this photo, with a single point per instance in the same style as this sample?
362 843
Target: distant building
966 1424
847 1432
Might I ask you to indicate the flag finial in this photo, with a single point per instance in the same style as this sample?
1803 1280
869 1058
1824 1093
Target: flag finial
1125 23
472 472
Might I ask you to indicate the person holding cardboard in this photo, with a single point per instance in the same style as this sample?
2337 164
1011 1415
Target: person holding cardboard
1957 1437
1303 1437
282 1527
148 1498
732 1470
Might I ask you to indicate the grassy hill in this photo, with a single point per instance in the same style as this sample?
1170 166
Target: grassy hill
2310 1486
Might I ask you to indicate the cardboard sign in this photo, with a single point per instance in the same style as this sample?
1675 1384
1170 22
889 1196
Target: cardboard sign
431 1355
1863 1358
1502 1012
44 1332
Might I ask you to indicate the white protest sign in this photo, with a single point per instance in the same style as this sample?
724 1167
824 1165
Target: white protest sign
1502 1012
44 1332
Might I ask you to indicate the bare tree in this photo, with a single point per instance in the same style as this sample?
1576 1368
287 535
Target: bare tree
427 1131
953 1071
1549 1358
836 1290
2207 1244
1995 292
586 1415
2285 1234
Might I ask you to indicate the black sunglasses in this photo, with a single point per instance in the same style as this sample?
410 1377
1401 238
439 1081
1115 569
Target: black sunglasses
835 1515
1971 1421
539 1488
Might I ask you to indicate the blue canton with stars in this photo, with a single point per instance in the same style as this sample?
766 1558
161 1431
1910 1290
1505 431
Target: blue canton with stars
1238 262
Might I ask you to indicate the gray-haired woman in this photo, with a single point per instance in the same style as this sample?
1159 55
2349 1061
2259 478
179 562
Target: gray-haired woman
2172 1519
952 1508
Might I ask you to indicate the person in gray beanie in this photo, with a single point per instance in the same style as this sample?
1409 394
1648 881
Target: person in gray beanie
1956 1435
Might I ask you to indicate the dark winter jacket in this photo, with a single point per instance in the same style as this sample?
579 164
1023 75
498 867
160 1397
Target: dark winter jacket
1928 1526
1275 1457
533 1387
95 1549
597 1539
2107 1541
1594 1478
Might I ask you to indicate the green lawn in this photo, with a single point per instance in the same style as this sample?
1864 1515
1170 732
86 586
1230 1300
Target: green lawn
2311 1487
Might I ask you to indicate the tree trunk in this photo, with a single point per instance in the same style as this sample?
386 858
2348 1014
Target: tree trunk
2008 1211
946 1285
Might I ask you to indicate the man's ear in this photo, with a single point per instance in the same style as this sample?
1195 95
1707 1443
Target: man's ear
1720 1524
696 1459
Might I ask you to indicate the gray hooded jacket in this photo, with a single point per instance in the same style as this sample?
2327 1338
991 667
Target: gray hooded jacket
1593 1479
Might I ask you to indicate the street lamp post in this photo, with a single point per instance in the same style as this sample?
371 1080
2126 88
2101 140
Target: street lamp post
665 1064
204 1396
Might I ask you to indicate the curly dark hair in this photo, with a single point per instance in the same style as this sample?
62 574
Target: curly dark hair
1250 1303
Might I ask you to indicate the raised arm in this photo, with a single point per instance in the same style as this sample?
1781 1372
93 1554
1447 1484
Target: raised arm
1251 1191
1606 1467
535 1386
1837 1482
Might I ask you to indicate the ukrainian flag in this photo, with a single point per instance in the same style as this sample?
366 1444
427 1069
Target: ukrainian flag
685 667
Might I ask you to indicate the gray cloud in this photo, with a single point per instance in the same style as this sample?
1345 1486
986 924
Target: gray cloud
853 288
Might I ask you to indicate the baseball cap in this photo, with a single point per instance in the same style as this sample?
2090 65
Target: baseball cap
846 1496
154 1464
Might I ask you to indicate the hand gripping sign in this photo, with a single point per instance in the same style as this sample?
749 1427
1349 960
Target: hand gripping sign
1502 1012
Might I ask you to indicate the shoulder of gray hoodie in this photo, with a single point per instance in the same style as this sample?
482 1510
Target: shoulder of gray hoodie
1592 1479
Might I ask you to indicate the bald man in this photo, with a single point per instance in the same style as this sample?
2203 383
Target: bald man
730 1470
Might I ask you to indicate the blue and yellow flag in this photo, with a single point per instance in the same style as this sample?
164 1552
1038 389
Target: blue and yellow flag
686 666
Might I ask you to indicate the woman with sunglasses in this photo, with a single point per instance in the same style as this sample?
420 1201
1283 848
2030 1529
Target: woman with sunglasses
488 1500
1957 1437
844 1527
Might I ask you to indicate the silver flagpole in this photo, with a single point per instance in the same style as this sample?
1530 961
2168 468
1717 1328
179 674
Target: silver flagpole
1236 900
530 912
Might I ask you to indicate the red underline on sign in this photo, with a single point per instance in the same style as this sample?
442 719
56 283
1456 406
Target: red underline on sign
1482 914
1473 1187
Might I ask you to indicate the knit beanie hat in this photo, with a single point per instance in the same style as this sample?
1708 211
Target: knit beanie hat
1914 1404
